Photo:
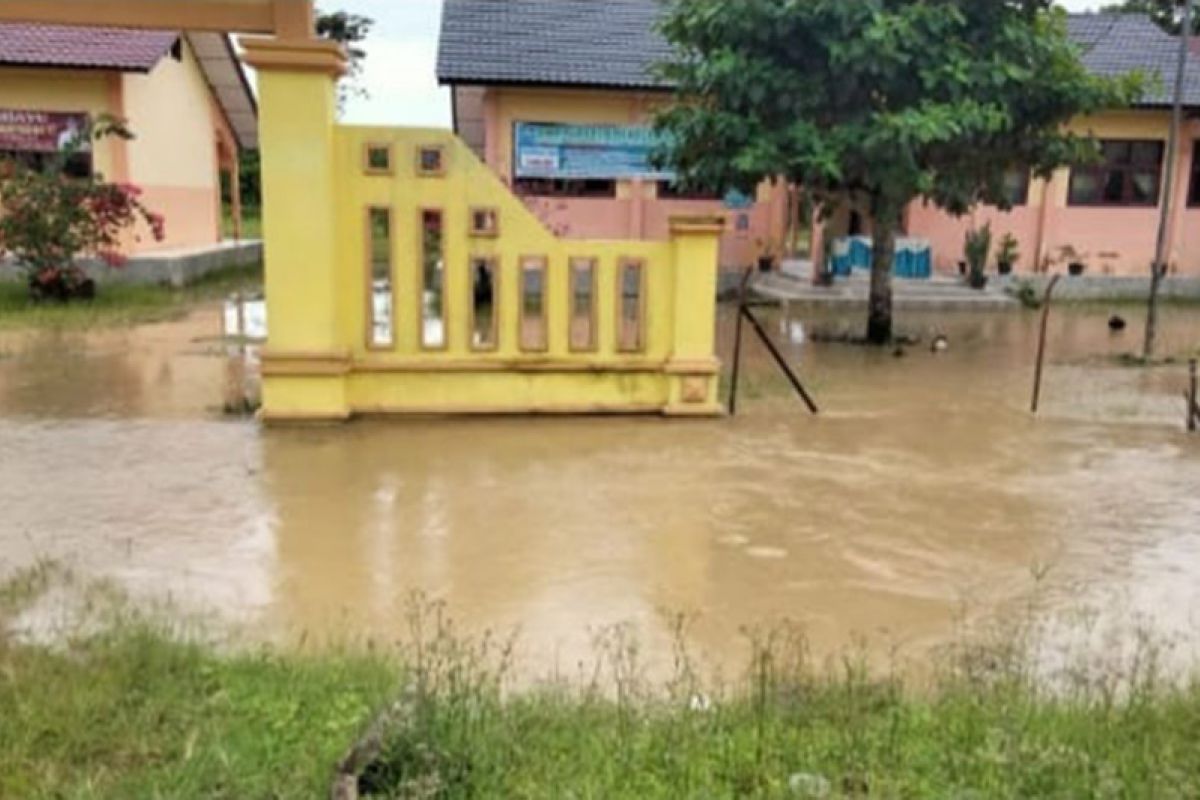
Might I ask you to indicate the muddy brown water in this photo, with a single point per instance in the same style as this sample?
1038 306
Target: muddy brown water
925 489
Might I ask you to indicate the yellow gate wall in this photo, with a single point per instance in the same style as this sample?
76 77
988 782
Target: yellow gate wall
318 365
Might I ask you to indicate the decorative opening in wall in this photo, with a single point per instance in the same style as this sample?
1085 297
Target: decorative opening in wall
377 159
583 305
485 308
533 334
631 305
431 161
485 223
380 322
433 281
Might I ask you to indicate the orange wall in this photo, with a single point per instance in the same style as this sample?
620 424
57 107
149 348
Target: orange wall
173 157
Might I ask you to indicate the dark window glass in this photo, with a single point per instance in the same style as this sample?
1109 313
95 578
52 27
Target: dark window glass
78 165
1130 174
1016 187
559 187
669 190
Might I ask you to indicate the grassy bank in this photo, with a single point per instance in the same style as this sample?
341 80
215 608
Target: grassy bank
134 711
122 304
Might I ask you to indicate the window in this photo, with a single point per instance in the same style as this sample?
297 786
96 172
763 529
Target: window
485 222
1016 187
380 322
1194 187
431 161
583 304
631 306
560 187
484 309
377 159
78 165
1129 174
669 190
433 281
533 336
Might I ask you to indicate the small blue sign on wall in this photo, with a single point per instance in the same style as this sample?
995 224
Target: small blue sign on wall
603 152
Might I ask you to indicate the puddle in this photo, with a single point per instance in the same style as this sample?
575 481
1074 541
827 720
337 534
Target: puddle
924 489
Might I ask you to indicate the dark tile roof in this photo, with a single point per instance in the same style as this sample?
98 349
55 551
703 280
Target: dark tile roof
1117 44
582 42
86 48
614 43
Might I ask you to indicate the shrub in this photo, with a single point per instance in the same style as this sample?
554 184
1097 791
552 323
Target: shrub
49 219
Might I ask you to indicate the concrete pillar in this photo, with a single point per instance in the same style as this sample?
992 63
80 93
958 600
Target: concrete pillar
693 367
308 348
1182 187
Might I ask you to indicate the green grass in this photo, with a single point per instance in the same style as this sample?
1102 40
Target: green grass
122 304
135 710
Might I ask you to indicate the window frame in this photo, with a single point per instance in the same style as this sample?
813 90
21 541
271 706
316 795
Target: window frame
593 343
440 170
483 233
494 263
1127 169
368 148
642 338
421 284
369 298
543 264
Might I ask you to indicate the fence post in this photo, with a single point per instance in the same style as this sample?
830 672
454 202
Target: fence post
1041 354
693 370
307 352
1193 417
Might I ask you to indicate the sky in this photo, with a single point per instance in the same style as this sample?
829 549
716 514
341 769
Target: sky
401 56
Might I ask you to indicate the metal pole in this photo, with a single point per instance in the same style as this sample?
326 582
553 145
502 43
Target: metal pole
1041 354
780 360
737 344
1159 267
1193 409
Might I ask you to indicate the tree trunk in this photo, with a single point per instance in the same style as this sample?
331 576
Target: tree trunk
879 315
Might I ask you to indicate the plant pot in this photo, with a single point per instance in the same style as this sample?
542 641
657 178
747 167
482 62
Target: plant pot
977 281
766 264
962 268
1004 268
1076 269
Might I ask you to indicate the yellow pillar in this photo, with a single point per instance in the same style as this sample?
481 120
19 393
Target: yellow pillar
307 356
693 369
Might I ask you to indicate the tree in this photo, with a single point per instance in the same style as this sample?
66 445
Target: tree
49 219
1167 14
886 101
350 30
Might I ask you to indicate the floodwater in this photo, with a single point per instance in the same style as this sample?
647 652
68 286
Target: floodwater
924 490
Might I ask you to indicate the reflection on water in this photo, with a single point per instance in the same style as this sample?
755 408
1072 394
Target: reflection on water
924 487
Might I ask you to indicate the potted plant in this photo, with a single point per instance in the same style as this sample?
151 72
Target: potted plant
1076 268
976 249
1006 257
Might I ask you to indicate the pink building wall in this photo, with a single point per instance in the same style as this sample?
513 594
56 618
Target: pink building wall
636 212
1118 241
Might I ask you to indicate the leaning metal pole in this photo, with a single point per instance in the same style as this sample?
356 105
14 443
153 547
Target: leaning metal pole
1159 268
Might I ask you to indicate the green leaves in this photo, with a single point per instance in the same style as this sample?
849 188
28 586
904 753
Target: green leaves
903 98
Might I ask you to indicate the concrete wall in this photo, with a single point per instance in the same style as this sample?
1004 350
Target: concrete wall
174 155
174 158
636 212
1110 241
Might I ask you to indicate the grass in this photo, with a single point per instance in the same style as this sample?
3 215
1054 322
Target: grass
122 304
134 709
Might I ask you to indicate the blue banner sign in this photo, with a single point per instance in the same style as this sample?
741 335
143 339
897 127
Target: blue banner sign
605 152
